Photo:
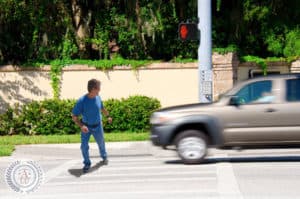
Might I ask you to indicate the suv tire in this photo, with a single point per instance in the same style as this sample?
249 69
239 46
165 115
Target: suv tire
191 146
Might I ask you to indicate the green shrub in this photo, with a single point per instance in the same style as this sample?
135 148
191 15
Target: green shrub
6 122
131 114
46 117
53 116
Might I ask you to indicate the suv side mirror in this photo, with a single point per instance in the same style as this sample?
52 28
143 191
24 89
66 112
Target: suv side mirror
235 101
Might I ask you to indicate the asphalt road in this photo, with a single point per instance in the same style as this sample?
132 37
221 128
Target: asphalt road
137 170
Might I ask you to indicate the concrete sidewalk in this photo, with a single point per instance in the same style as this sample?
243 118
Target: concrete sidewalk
72 151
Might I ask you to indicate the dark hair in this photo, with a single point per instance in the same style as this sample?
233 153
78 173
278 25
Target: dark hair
93 83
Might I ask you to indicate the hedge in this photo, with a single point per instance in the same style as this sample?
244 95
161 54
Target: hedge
53 116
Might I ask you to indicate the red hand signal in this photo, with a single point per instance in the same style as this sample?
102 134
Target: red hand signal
183 31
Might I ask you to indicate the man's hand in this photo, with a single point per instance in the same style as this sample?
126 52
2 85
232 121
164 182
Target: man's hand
84 129
109 119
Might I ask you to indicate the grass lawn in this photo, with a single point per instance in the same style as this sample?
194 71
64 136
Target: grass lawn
7 143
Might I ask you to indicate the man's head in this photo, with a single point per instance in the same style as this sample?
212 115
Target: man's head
94 87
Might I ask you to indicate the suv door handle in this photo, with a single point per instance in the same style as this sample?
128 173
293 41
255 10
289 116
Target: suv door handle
270 110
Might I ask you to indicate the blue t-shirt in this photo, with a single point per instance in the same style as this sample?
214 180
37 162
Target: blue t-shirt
89 108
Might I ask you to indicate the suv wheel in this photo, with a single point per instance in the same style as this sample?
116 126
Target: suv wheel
191 146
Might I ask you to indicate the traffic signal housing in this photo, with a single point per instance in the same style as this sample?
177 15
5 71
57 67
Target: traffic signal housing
188 31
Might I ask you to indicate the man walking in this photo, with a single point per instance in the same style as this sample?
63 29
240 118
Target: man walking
90 106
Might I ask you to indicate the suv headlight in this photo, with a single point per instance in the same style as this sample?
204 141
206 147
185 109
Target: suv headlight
160 118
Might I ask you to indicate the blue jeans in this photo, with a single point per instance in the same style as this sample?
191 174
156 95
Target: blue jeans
85 137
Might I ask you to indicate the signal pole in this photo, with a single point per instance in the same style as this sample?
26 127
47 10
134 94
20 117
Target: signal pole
205 52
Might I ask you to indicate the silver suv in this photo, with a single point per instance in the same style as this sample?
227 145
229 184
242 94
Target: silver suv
259 112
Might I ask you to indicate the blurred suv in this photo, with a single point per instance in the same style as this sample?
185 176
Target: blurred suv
260 112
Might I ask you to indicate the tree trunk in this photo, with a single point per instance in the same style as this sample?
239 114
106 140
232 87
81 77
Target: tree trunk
139 24
82 17
181 7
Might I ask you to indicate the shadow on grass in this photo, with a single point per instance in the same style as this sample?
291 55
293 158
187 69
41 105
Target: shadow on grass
78 172
243 159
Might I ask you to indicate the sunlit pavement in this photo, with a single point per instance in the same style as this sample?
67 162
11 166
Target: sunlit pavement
138 170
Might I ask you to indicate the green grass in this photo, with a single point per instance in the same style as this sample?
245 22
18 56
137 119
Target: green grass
6 149
7 143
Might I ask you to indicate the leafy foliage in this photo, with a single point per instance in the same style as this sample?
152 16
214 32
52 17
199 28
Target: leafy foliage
45 30
259 61
131 114
228 49
257 28
292 47
41 118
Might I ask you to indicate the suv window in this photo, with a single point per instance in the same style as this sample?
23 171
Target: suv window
293 90
257 92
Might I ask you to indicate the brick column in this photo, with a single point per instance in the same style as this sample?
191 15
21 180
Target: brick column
295 66
225 72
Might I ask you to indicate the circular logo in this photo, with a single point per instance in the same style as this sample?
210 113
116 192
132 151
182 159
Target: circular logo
24 176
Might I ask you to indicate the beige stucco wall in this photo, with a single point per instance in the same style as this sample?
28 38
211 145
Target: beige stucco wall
170 86
23 86
171 83
243 69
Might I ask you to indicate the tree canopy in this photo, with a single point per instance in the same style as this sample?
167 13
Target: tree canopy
42 30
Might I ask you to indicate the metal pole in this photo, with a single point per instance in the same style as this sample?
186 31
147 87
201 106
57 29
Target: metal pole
205 52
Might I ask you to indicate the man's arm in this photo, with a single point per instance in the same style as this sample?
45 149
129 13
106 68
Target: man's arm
79 123
77 120
106 113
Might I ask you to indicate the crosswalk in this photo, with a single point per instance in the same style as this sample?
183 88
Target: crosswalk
143 176
140 171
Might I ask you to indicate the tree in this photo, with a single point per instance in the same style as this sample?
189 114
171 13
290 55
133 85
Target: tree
41 30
